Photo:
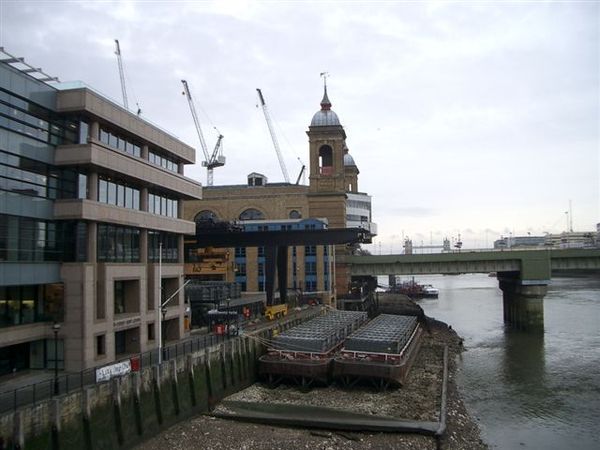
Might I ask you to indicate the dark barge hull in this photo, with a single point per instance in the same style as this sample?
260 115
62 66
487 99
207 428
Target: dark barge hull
376 370
304 372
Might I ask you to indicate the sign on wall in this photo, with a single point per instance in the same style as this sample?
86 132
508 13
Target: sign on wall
114 370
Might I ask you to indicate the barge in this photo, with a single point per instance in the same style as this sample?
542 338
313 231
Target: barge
303 354
380 353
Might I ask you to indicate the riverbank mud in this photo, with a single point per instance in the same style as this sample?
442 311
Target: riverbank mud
418 400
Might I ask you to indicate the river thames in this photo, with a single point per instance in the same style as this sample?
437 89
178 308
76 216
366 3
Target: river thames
526 391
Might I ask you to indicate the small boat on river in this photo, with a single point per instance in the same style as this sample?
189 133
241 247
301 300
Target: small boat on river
413 289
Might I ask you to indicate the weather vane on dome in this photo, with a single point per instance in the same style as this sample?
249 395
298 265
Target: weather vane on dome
324 75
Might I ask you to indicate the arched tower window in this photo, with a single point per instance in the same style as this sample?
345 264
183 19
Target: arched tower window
326 160
295 214
252 214
205 214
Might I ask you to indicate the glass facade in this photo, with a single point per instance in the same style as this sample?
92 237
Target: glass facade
118 193
170 246
26 239
162 205
118 142
29 119
21 305
118 244
35 178
162 161
33 242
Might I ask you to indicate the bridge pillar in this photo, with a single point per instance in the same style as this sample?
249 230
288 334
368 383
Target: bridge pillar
523 302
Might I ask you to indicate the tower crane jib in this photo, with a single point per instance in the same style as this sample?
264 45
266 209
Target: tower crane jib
121 74
273 136
210 161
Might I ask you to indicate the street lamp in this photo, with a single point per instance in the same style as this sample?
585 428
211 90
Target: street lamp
228 322
55 330
163 310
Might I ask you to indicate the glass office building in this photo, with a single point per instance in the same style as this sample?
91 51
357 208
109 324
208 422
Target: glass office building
89 192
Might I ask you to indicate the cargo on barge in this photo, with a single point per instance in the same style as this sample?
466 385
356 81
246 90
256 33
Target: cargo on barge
380 353
303 354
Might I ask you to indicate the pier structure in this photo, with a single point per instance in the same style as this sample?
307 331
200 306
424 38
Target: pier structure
523 275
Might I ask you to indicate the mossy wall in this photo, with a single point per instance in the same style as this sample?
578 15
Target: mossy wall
134 407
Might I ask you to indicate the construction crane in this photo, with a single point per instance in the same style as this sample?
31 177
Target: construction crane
273 137
301 172
121 74
216 159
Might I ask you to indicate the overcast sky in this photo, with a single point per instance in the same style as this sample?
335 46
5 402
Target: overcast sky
479 118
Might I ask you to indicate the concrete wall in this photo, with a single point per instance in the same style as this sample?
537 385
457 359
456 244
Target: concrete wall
83 99
126 410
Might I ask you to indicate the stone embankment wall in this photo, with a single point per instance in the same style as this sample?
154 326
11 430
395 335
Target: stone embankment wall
127 410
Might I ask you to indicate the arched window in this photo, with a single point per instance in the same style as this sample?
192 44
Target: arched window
252 214
326 160
205 214
295 214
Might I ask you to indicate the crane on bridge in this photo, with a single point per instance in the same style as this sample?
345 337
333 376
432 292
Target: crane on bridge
214 159
276 142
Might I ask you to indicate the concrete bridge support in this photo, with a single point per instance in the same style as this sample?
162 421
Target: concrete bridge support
523 302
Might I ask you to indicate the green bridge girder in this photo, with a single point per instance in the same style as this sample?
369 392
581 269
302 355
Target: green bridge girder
533 266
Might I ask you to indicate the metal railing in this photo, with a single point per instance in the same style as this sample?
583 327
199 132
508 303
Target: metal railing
71 382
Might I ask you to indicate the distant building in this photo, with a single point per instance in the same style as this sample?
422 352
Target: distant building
331 198
519 242
571 239
567 239
89 192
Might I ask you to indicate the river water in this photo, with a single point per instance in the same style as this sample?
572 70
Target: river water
527 391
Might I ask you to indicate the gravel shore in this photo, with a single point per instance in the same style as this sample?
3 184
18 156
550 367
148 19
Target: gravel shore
419 399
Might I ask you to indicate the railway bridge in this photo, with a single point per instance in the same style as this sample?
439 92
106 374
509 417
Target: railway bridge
523 275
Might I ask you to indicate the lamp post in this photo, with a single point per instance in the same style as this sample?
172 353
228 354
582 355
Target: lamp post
159 304
163 310
55 329
228 321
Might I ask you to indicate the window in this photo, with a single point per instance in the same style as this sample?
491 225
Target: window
241 269
25 239
252 214
310 250
170 246
126 296
261 269
310 268
163 161
295 214
311 286
30 303
30 177
119 297
240 252
150 331
117 142
162 205
118 244
205 215
118 194
261 252
101 345
35 122
326 160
